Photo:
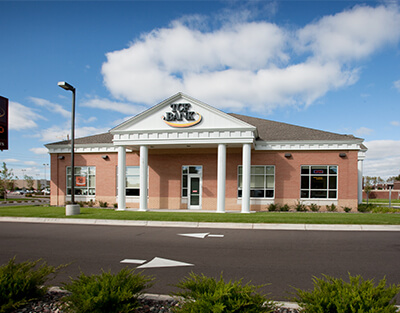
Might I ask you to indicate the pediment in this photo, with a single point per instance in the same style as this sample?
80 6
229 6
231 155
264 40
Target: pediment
181 113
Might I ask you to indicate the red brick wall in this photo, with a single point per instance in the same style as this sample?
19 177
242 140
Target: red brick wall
165 167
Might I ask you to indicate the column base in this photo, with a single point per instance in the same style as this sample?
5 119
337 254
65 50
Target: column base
72 209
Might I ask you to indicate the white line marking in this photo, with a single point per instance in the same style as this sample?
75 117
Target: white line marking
197 235
160 262
134 261
216 236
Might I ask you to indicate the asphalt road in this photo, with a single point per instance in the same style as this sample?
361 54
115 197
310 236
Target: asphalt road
276 257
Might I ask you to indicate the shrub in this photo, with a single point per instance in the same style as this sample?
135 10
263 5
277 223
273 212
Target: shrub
90 203
205 294
273 207
103 204
300 207
365 208
106 292
385 210
115 205
347 209
359 295
285 208
331 208
314 207
22 282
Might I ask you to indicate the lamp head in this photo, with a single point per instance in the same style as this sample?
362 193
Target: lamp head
66 86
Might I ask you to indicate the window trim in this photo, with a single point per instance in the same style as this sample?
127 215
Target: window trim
265 181
88 175
327 175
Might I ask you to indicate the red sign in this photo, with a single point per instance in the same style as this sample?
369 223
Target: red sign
80 181
3 123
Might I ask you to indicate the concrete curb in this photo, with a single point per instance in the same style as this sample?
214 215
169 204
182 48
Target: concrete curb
255 226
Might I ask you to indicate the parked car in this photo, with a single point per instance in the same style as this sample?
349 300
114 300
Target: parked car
46 191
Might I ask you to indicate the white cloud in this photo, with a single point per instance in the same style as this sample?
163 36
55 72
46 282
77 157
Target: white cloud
383 158
10 161
56 108
33 163
39 150
22 117
395 123
249 63
106 104
396 85
351 35
363 131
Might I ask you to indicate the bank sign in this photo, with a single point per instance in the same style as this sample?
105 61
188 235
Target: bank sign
182 116
3 123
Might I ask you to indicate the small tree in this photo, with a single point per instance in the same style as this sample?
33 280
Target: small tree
6 178
29 182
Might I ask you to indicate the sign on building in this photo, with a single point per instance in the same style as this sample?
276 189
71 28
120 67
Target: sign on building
3 123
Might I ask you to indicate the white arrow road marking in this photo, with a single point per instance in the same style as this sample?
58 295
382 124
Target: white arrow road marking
134 261
201 235
160 262
198 235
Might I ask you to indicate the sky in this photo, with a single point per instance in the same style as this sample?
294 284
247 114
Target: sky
328 65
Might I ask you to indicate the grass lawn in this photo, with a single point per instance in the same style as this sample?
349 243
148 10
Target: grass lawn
377 201
259 217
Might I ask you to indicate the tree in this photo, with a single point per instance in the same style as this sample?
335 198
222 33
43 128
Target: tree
29 182
6 180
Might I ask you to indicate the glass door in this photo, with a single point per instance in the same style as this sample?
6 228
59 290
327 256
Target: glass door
194 192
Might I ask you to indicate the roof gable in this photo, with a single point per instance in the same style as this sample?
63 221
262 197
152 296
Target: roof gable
181 112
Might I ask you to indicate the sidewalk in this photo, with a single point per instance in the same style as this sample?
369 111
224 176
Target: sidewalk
265 226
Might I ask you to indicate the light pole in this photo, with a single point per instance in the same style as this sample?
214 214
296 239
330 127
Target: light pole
72 209
45 177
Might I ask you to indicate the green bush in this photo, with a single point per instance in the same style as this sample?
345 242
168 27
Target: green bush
300 207
365 207
331 208
103 204
314 207
385 210
106 292
205 294
273 207
359 295
285 208
347 209
22 282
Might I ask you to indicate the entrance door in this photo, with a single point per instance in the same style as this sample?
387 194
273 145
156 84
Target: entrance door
194 192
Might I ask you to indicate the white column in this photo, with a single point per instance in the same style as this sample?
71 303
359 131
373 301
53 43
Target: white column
143 177
246 159
121 178
361 157
221 178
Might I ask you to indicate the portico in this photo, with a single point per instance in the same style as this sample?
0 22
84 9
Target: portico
182 122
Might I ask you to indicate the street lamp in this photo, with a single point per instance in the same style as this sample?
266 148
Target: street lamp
45 177
73 208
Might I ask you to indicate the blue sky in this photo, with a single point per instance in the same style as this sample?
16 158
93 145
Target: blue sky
329 65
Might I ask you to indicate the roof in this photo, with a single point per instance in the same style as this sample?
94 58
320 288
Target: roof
277 131
267 131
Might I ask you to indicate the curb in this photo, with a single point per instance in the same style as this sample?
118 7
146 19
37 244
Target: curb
249 226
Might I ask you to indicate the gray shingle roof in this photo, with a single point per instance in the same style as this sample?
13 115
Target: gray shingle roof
277 131
267 131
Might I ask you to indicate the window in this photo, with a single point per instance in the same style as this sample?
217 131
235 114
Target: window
132 181
262 181
85 180
319 181
186 171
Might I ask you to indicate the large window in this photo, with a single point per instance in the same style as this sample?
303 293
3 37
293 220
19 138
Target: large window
262 181
132 181
85 180
319 181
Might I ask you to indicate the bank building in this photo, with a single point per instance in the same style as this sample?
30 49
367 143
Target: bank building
185 154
